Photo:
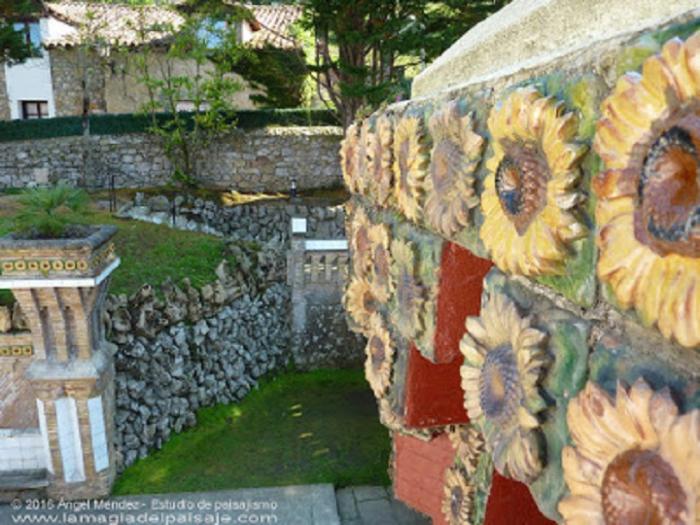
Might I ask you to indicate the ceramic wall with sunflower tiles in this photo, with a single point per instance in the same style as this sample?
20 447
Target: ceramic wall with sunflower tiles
579 376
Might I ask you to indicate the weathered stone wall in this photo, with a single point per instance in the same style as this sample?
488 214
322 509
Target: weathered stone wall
4 100
188 348
256 160
68 68
258 221
162 381
124 92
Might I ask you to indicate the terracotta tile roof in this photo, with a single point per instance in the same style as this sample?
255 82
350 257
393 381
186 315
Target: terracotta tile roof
275 22
117 24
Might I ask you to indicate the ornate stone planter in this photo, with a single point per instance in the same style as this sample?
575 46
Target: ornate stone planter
61 285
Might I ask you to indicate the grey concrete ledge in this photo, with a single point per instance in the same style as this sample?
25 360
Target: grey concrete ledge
295 505
529 33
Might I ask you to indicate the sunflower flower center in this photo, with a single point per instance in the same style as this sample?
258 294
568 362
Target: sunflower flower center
369 302
456 500
377 352
521 184
362 240
639 486
381 264
407 291
404 152
499 386
667 217
446 158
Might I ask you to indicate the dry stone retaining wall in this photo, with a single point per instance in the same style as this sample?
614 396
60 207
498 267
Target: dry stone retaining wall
188 348
256 160
162 381
261 221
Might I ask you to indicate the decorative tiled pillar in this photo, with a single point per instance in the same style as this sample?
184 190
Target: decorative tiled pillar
61 286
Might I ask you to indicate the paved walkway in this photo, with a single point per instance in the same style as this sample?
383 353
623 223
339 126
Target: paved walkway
374 506
296 505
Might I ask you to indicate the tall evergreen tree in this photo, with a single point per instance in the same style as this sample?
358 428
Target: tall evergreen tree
364 49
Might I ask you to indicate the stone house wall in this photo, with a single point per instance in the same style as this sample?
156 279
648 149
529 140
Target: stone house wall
124 92
4 101
68 67
256 160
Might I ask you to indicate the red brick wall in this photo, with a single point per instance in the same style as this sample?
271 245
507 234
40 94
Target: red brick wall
433 392
419 473
510 503
459 295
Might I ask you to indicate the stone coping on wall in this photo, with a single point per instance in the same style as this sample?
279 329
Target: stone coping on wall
527 34
331 131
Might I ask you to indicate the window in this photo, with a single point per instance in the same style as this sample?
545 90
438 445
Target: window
32 34
32 109
212 32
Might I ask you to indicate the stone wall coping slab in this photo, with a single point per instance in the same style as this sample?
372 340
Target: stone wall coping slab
326 245
530 33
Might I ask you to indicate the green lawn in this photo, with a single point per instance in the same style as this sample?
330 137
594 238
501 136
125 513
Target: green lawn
299 428
150 253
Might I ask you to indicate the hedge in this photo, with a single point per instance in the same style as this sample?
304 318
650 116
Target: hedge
137 123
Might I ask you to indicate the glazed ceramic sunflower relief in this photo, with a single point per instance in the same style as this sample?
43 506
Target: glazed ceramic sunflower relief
504 359
450 184
415 273
349 157
648 208
633 458
380 159
531 191
524 358
410 163
369 234
458 496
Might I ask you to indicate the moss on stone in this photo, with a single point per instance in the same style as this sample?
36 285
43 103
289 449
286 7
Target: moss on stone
482 487
578 283
585 95
682 31
632 57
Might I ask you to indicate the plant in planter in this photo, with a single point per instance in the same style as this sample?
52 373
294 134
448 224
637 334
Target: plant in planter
49 241
47 212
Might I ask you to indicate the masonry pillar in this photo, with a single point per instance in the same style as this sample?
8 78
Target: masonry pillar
60 286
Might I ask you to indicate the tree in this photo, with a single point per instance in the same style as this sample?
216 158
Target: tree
14 47
365 49
194 69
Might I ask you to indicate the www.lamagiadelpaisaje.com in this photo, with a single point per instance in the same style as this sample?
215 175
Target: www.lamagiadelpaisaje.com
154 511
